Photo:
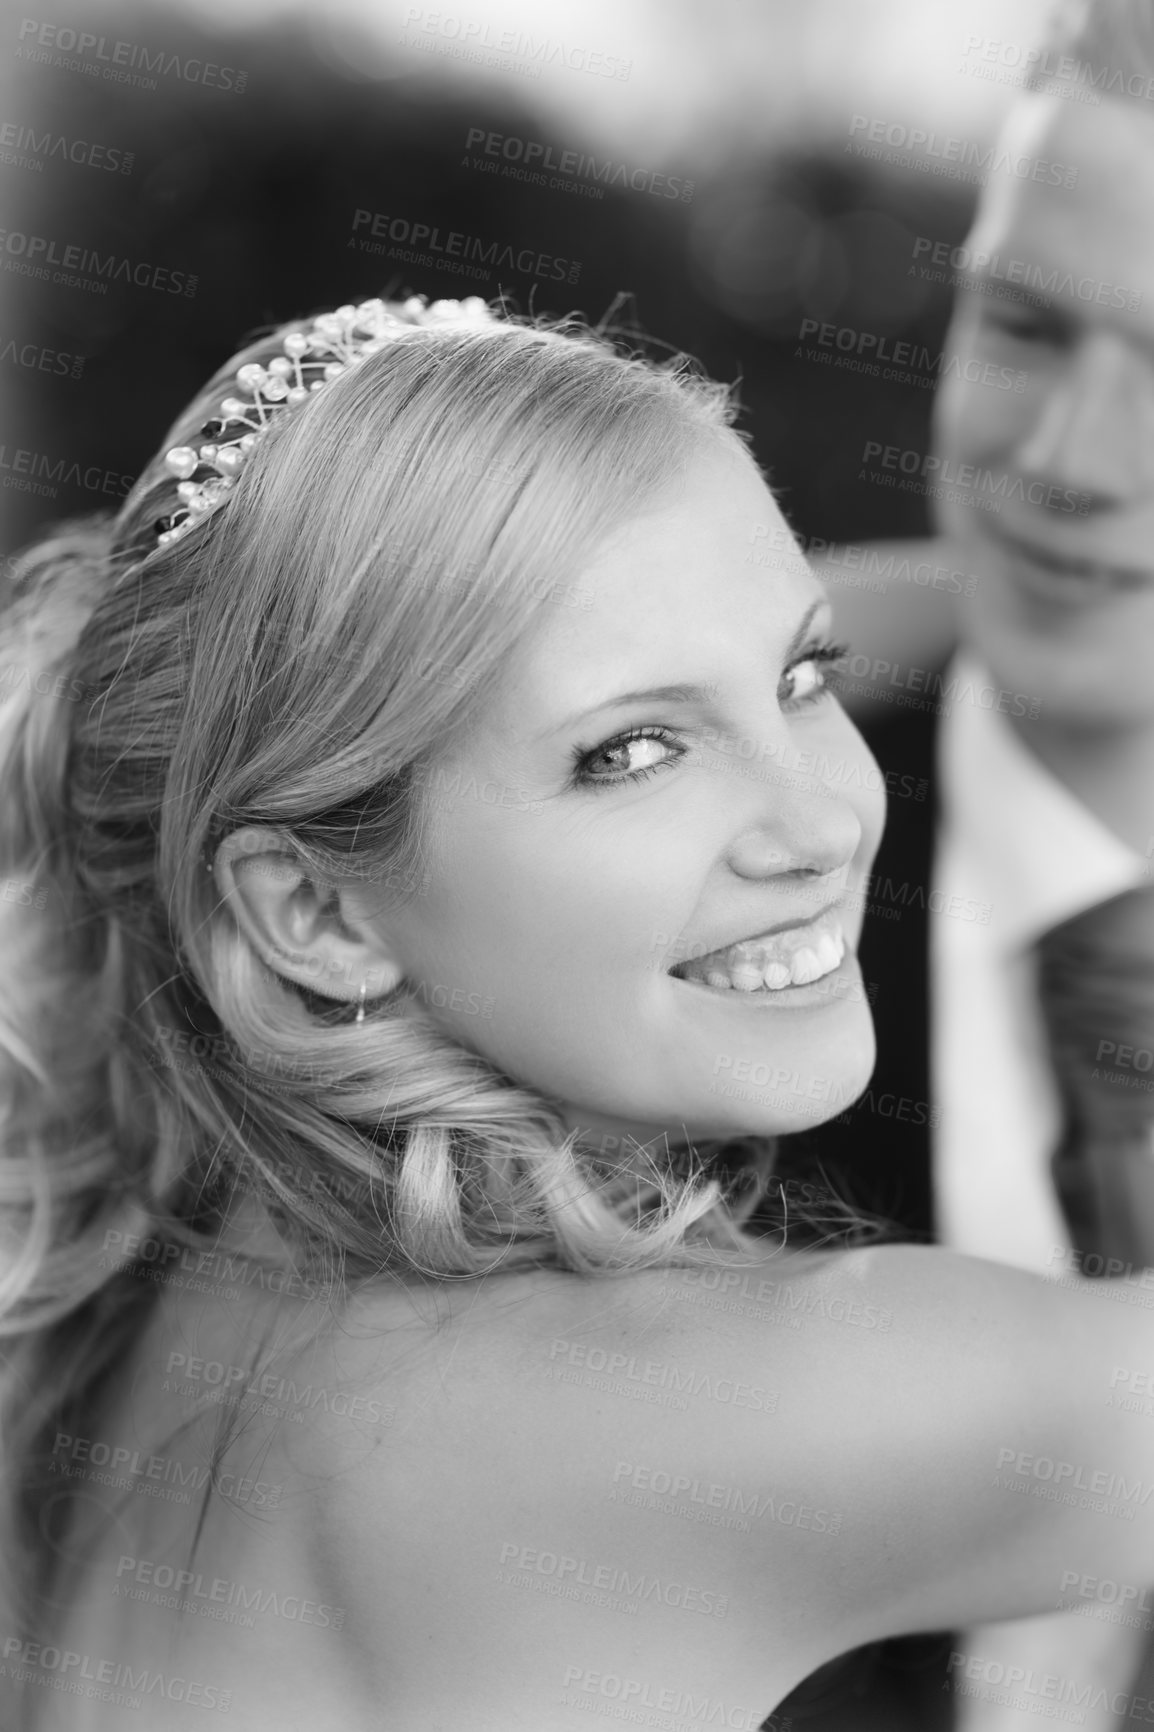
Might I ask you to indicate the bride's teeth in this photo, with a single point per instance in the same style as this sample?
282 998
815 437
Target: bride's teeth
805 967
829 951
802 956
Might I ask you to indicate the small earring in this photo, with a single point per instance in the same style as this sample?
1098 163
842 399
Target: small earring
361 1005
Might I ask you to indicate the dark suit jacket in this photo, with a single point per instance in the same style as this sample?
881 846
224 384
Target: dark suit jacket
877 1156
878 1153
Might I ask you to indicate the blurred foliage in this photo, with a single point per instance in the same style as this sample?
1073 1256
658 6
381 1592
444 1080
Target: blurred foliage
254 192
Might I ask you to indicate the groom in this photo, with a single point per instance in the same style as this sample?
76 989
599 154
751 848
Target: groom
1035 744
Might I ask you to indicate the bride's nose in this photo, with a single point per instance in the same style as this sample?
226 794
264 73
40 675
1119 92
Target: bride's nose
806 834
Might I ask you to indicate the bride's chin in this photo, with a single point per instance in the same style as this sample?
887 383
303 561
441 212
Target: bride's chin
785 1104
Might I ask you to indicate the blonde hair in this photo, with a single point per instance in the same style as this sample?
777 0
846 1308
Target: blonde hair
297 662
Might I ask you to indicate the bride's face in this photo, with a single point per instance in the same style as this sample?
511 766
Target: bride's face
661 776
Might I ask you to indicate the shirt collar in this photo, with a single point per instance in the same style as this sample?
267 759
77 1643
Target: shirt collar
1043 856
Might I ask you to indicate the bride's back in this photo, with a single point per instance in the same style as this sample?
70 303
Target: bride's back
514 1502
442 1473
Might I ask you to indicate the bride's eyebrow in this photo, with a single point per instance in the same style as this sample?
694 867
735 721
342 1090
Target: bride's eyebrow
681 694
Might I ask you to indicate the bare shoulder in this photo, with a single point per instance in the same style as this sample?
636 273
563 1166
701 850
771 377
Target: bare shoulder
793 1444
427 1362
756 1376
550 1390
758 1335
691 1474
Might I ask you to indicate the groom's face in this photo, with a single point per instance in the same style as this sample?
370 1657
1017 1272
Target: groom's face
1065 556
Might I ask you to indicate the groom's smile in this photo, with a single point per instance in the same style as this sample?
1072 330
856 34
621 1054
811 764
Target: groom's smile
1066 606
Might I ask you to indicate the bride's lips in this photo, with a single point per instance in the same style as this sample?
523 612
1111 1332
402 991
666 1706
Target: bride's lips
777 962
1077 580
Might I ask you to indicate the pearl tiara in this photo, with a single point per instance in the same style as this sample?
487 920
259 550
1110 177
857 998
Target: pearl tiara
332 344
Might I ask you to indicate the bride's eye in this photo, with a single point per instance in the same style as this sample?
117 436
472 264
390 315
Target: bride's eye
625 758
806 680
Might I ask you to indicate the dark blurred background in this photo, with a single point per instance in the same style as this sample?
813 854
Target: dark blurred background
176 175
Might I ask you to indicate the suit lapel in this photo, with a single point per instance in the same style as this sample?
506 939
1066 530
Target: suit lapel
877 1154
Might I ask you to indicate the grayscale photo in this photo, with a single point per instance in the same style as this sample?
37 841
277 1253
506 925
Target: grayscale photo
576 865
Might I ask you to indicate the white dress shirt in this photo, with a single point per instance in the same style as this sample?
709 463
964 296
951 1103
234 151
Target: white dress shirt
1017 847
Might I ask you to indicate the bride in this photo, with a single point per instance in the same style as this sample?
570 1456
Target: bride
434 860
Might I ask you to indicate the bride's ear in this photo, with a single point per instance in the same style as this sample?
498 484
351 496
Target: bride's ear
299 928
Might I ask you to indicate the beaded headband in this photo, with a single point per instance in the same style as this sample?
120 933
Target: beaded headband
332 344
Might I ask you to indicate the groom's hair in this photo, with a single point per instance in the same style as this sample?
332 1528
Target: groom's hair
1098 48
